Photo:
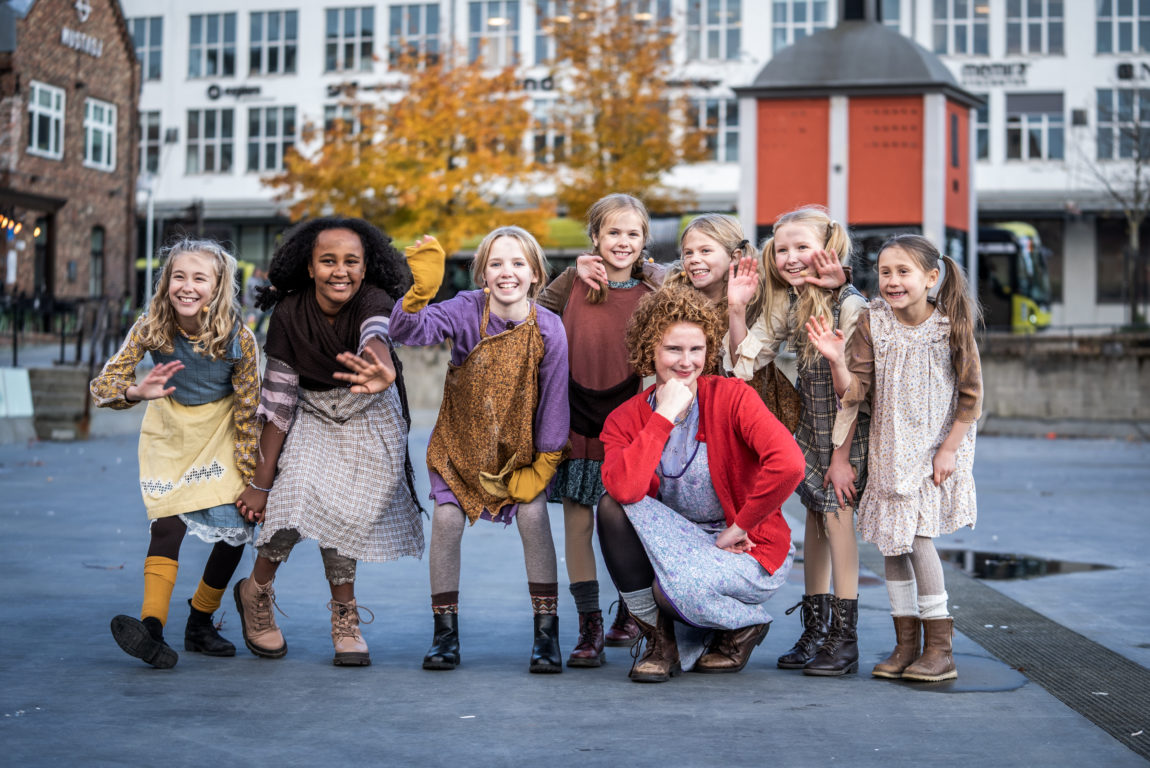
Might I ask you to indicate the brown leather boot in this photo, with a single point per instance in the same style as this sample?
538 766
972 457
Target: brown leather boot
589 650
255 604
350 648
624 631
908 647
937 660
730 649
659 662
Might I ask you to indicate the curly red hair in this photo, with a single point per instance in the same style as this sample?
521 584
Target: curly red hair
668 306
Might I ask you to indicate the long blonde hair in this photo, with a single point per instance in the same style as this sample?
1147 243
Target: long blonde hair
531 249
813 301
217 326
953 296
597 215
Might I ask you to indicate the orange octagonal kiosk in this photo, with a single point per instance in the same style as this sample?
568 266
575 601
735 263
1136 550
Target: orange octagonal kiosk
870 124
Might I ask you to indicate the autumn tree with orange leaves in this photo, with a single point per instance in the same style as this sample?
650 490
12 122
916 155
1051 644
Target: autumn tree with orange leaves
440 159
626 127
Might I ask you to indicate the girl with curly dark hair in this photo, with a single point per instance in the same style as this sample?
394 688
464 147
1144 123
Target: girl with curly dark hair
696 469
333 454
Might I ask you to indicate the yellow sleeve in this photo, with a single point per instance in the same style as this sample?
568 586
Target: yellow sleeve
526 483
246 383
109 387
426 262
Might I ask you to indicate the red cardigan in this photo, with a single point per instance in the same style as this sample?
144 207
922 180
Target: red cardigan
754 461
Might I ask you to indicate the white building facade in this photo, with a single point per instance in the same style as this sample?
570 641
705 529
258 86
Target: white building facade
227 87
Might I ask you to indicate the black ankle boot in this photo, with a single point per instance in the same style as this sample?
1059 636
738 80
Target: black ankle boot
816 616
839 655
545 654
201 636
444 651
144 640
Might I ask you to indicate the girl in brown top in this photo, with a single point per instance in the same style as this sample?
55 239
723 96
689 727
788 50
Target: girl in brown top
920 359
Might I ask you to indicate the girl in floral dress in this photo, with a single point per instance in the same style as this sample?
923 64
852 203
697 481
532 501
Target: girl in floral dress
919 357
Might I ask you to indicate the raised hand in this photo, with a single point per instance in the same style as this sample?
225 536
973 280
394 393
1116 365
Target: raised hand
369 374
425 259
829 271
742 281
589 268
155 384
831 343
672 399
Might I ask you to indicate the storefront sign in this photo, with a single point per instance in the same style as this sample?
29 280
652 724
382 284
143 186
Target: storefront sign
82 42
1129 70
238 91
996 73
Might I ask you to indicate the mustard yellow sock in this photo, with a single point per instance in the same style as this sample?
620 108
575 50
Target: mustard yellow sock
207 599
159 580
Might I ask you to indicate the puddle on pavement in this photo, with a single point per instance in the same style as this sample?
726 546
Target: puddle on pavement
1001 566
976 674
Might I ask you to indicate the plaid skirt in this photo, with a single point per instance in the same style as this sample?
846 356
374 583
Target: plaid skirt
816 423
341 477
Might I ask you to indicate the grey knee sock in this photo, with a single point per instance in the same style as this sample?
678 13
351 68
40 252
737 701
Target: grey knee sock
641 604
447 524
538 547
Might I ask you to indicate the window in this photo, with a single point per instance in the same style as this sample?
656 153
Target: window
99 135
1034 26
274 36
1035 126
413 31
1112 261
271 130
549 139
1122 28
347 114
982 129
647 10
350 39
148 36
714 29
792 20
211 140
1123 123
96 267
961 27
547 14
150 142
720 118
212 45
45 120
891 14
493 32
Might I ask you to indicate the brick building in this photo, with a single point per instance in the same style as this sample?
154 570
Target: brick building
69 90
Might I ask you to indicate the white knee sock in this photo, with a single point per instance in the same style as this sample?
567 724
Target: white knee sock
932 606
902 598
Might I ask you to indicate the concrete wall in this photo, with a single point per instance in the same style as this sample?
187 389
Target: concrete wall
1107 384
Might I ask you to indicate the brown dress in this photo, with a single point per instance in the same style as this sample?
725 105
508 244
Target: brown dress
486 422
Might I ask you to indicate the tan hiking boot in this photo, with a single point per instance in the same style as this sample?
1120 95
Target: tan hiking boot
907 649
350 648
256 604
658 662
937 660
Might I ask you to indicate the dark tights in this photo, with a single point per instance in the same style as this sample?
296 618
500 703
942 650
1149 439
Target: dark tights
168 534
624 555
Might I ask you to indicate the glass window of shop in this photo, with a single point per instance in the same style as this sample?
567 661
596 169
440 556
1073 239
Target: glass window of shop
1035 126
1112 261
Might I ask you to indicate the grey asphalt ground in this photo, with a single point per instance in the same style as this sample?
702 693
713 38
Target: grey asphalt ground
73 538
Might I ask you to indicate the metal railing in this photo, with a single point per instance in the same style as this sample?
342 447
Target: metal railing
68 323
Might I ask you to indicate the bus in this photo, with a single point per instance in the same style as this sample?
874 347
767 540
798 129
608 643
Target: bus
1013 277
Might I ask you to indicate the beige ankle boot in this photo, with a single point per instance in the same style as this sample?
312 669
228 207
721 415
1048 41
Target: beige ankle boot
350 648
937 660
256 604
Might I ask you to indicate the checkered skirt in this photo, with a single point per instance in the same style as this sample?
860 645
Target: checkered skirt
816 424
341 477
